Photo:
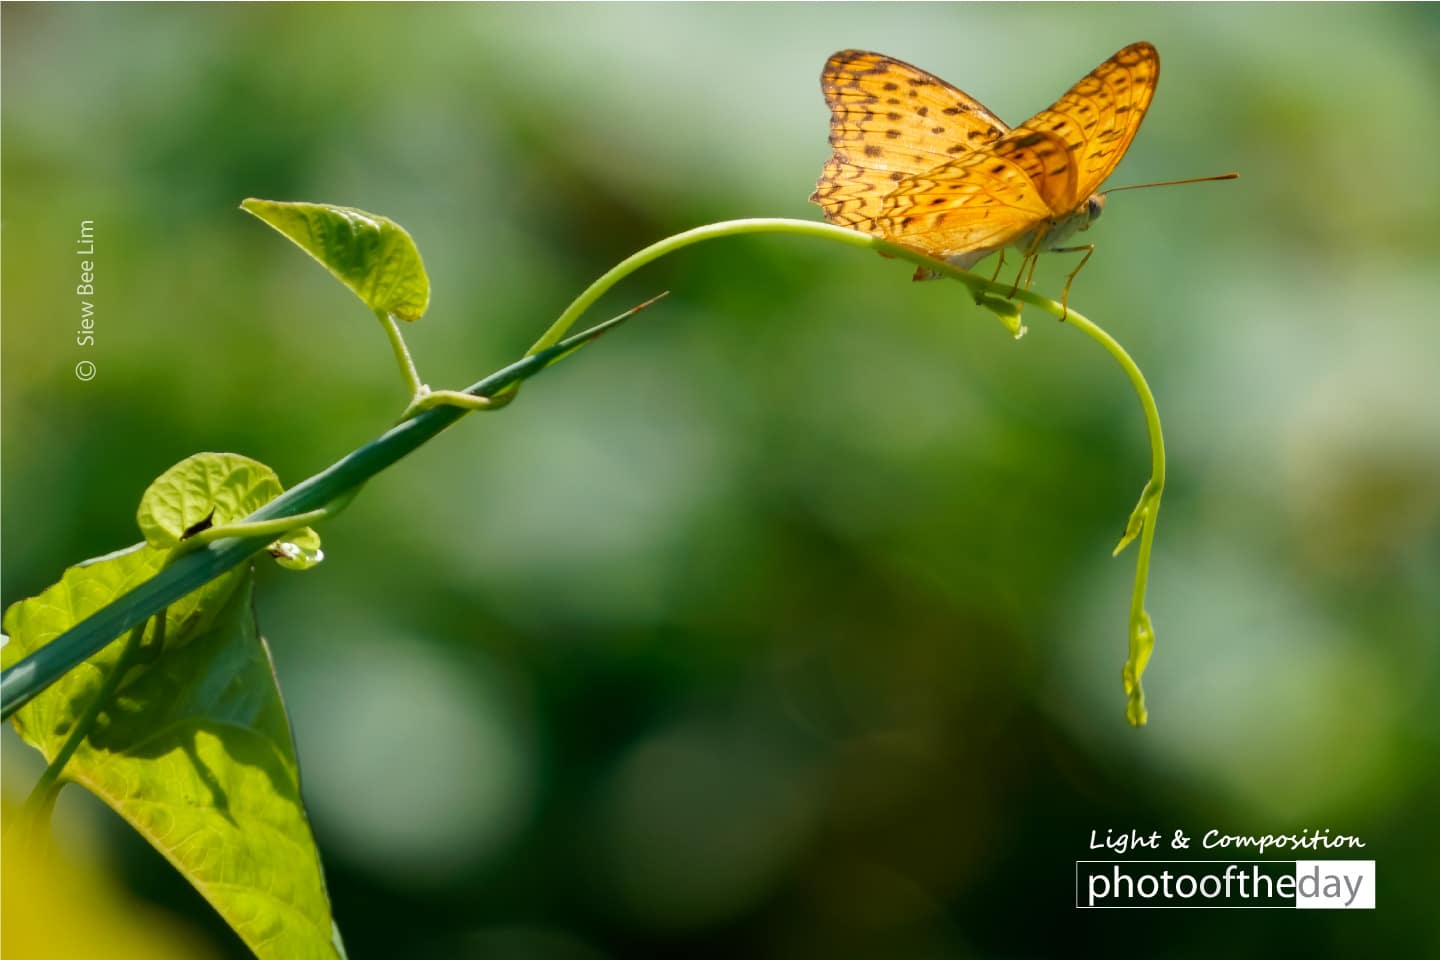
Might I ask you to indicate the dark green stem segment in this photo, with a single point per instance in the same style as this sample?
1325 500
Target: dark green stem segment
30 676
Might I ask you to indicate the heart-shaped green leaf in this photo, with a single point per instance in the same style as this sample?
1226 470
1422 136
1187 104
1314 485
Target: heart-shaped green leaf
196 755
371 255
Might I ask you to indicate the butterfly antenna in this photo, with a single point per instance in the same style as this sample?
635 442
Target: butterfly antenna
1172 183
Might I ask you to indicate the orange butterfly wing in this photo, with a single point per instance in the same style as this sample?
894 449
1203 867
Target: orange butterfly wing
890 120
1038 173
1098 117
973 206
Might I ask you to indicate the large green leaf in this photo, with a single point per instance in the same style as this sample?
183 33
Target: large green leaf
371 255
196 754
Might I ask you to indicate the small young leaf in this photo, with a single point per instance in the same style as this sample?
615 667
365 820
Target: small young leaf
1007 310
371 255
214 489
196 755
219 487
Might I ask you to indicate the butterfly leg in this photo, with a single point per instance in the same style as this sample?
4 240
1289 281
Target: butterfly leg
1089 249
998 264
1026 271
1031 258
1028 259
1034 261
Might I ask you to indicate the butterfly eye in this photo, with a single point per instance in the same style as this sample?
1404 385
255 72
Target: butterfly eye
1095 206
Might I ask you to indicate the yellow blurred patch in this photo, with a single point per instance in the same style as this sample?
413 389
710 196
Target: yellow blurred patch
51 907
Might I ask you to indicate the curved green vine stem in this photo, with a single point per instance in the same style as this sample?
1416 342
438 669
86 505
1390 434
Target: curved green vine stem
1141 523
428 399
25 679
274 529
998 298
711 231
41 801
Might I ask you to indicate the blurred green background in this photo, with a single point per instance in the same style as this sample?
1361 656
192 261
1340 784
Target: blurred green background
782 623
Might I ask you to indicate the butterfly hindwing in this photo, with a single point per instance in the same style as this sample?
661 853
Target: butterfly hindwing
971 206
1046 160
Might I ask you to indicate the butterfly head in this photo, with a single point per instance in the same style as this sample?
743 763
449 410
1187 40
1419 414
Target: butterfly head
1093 208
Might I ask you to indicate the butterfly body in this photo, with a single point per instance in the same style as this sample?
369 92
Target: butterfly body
1047 237
927 166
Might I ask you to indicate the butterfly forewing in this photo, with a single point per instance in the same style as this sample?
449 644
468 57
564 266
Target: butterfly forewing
1098 117
890 120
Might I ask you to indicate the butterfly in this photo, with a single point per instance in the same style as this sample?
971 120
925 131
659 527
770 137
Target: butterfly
920 163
